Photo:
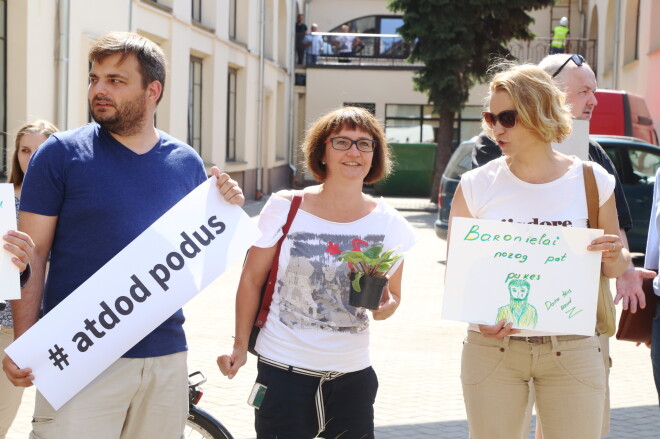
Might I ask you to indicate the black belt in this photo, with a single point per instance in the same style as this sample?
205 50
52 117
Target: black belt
546 338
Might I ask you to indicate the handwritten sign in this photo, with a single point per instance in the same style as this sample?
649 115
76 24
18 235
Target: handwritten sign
541 278
149 280
9 274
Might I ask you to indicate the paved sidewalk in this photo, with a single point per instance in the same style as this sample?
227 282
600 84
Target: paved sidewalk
416 354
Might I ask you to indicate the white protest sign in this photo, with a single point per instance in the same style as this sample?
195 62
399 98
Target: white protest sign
148 281
541 278
9 276
577 143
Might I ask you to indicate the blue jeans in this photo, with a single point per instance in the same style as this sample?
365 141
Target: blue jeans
655 348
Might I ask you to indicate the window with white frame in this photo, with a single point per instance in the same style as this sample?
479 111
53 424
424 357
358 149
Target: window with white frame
232 19
195 104
232 76
197 10
410 123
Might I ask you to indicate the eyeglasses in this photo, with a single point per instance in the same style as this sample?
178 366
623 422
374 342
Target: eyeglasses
344 144
506 118
577 59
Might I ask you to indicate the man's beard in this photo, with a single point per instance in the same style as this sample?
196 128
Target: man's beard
128 117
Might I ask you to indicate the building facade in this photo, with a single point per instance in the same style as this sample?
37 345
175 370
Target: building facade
229 84
234 92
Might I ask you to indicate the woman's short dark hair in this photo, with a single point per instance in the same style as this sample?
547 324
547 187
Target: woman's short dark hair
353 118
150 56
44 127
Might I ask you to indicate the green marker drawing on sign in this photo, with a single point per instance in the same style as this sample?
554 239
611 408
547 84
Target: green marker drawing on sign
518 311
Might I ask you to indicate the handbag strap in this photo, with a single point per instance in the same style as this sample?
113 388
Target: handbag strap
272 276
591 190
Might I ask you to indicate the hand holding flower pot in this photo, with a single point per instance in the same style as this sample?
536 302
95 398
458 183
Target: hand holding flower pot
369 270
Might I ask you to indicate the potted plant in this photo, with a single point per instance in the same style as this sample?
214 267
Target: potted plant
369 270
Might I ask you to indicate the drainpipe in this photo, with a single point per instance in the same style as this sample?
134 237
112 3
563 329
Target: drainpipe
130 15
292 84
260 99
583 26
63 65
617 41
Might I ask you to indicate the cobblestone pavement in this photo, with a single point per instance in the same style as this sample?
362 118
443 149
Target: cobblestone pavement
415 353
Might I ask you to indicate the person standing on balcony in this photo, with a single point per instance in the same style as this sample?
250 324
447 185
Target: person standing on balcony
347 44
301 30
559 35
313 45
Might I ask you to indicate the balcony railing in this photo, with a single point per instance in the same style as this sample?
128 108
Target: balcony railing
351 49
535 50
389 50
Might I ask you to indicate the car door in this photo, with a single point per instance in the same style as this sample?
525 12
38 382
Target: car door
638 165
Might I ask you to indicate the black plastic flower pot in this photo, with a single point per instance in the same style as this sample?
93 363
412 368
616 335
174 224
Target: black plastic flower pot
372 291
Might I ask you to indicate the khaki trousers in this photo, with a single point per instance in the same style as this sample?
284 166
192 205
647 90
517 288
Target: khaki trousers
10 396
133 398
605 350
568 378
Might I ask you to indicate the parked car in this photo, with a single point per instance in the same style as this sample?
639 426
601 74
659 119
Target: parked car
621 113
635 161
460 162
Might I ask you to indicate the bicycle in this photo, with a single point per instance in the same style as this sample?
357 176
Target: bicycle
200 423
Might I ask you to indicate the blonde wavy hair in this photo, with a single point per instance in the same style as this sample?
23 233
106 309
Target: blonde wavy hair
540 104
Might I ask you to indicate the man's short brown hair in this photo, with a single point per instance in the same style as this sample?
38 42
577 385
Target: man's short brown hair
353 118
150 56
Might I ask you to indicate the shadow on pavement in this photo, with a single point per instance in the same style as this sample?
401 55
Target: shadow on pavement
642 422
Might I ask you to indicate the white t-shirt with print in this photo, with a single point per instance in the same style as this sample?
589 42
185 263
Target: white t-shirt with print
310 323
494 192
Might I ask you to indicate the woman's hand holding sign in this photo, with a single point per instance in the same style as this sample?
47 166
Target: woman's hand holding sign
21 246
499 330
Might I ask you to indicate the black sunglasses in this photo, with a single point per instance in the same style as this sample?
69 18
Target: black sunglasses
506 118
577 59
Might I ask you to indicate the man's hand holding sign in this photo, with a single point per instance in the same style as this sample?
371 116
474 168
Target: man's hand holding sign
164 267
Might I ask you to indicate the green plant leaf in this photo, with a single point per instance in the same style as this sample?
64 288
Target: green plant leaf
356 282
374 252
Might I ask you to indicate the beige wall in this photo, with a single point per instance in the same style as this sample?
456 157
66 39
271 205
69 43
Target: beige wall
33 87
617 67
330 14
31 74
328 89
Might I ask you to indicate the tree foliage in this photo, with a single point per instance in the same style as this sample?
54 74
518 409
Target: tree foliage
457 40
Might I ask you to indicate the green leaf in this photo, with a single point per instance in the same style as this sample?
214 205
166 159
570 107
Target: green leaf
356 282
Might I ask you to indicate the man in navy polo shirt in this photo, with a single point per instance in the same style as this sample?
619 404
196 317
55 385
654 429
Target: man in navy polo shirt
87 194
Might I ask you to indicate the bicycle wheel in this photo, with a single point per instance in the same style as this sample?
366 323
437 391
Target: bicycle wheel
201 424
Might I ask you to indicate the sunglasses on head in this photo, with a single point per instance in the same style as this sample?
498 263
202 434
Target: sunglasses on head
577 59
506 118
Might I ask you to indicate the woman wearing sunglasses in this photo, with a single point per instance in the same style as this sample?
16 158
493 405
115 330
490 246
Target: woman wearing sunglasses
526 112
314 348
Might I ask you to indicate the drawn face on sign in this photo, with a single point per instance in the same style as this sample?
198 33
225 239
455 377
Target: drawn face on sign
519 292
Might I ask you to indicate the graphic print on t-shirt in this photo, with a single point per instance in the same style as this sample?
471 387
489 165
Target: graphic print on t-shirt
315 287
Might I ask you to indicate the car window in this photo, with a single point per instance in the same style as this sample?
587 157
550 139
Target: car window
644 163
460 162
